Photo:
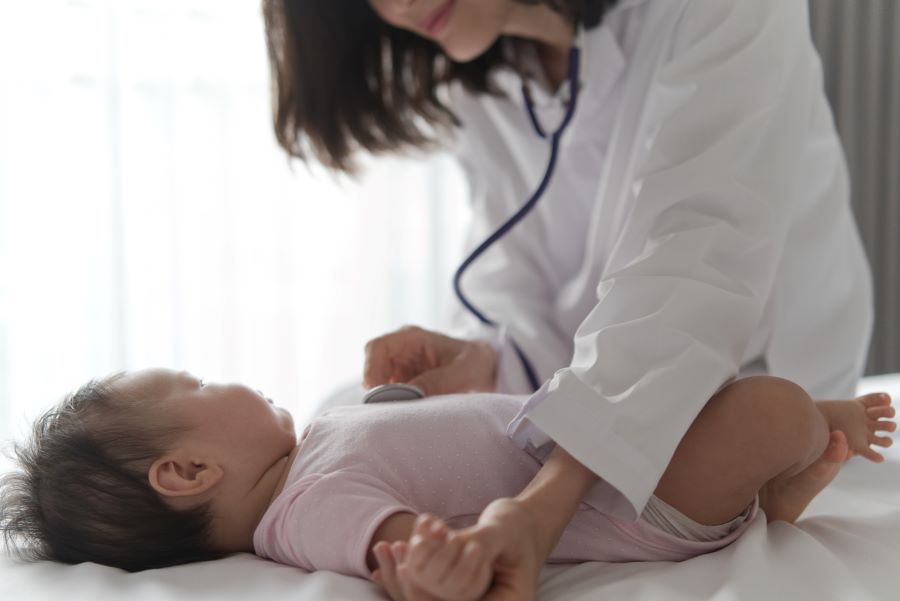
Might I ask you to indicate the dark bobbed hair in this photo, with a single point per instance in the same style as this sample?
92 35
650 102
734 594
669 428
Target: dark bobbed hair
82 492
344 80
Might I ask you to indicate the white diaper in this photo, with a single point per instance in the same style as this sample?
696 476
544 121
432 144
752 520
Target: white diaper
668 519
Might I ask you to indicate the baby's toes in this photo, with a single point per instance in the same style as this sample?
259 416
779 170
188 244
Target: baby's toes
876 399
880 411
882 426
881 441
872 455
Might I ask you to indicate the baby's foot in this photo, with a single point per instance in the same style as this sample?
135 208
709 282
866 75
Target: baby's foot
786 499
861 419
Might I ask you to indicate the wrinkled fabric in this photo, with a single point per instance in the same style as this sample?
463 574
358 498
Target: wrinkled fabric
698 228
448 456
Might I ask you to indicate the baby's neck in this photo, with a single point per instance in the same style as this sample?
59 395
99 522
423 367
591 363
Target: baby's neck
285 463
239 520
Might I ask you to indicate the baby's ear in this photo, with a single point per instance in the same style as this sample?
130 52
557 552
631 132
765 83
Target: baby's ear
180 476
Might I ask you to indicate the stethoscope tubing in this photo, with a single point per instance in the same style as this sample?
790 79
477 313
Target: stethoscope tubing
555 137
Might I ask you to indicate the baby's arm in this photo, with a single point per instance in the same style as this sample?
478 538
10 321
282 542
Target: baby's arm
514 537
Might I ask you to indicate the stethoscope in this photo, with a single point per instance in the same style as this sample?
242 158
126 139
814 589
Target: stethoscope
405 392
572 78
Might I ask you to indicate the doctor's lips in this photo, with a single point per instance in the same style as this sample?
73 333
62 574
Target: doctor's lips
435 22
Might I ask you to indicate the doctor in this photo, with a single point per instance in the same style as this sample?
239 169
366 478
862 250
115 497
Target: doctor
696 226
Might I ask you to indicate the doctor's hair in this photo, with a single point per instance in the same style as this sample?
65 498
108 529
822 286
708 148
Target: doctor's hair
343 80
82 493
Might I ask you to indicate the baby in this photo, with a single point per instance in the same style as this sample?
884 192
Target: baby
155 468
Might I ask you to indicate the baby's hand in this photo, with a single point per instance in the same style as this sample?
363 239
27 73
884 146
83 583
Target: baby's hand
495 560
437 564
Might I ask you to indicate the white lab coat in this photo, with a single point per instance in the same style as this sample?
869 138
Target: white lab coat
698 228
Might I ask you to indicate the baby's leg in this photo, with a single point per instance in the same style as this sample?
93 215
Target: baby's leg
755 431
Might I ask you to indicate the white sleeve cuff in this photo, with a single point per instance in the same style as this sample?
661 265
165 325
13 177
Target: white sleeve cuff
596 445
628 444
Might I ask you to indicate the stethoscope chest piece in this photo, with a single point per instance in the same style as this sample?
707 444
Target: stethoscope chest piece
394 392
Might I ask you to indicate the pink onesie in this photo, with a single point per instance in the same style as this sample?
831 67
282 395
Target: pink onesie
448 456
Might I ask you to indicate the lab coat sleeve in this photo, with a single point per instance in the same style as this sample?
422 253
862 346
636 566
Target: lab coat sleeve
707 213
507 285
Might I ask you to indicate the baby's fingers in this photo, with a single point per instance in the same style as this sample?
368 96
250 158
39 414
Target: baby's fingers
434 573
386 574
427 538
472 571
400 551
409 587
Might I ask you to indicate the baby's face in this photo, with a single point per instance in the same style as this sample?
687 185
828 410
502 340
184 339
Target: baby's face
232 420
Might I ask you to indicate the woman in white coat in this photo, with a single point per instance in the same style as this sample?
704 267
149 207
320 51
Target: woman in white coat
696 228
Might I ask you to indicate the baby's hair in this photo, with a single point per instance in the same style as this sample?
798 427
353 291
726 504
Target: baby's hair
82 492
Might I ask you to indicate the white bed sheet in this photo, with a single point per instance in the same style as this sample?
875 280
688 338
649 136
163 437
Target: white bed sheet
846 547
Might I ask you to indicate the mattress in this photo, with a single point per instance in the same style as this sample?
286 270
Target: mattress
846 547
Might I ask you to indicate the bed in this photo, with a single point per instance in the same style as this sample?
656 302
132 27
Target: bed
846 547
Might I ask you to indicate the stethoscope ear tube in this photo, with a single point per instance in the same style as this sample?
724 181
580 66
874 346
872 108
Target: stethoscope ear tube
574 69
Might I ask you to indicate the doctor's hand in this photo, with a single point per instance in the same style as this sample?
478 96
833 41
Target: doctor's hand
435 363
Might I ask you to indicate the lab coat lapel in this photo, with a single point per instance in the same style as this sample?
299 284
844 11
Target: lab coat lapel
618 188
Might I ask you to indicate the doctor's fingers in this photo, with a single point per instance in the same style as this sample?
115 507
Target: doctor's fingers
443 380
473 367
398 356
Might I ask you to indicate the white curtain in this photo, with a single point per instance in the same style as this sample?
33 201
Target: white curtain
147 217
